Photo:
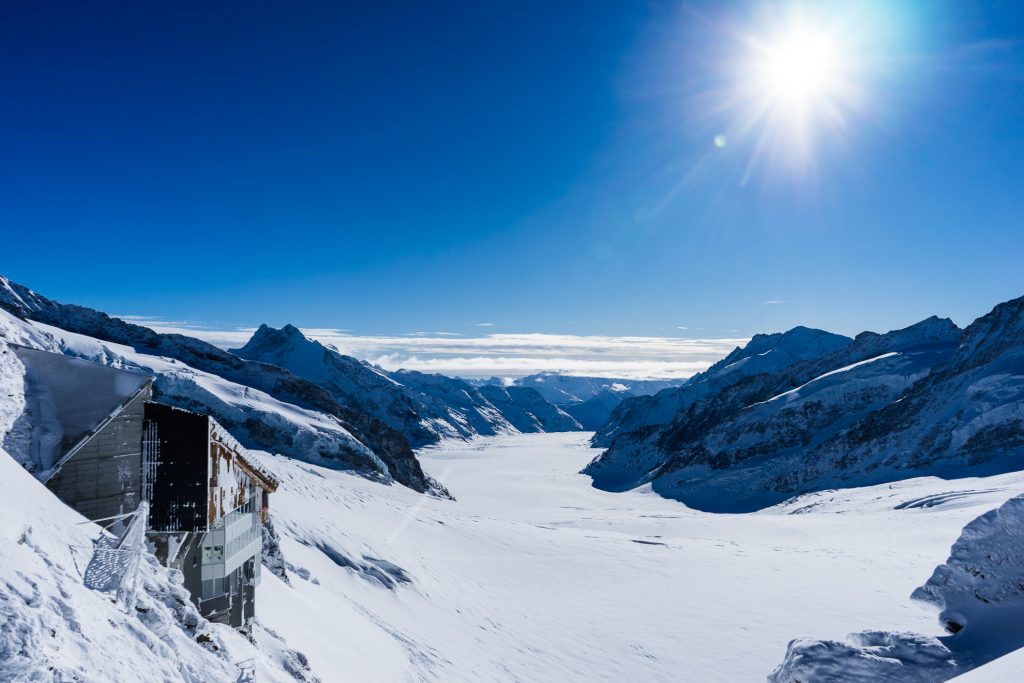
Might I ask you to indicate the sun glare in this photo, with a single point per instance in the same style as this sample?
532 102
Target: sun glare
798 70
795 81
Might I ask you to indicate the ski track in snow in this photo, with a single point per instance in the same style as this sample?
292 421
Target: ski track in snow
533 575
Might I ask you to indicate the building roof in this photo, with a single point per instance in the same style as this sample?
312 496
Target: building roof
70 399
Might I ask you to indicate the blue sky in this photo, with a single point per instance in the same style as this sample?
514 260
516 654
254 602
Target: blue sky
540 166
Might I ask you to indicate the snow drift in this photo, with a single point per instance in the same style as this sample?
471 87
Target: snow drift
980 592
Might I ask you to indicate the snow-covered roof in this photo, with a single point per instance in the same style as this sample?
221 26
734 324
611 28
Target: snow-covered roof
72 398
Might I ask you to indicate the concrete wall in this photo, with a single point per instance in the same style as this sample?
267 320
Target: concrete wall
103 477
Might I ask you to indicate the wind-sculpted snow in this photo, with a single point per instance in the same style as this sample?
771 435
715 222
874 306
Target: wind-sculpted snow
867 657
980 588
355 439
980 592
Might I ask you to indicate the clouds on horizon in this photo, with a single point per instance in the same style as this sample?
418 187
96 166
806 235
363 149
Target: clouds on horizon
505 355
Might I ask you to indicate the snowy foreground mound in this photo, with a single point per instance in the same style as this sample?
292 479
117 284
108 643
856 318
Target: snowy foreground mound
532 574
53 628
980 590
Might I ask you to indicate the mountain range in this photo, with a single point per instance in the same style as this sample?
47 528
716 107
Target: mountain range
807 410
589 400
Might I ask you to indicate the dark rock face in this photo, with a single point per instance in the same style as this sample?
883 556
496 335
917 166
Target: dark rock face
389 446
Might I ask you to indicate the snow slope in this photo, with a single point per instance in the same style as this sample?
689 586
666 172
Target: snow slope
53 628
1006 669
532 574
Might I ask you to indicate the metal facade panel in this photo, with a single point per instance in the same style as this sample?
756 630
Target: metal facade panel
102 477
176 460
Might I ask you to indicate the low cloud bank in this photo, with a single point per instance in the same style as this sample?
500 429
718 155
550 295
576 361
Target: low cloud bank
504 355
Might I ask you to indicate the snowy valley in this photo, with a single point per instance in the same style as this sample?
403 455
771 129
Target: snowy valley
794 513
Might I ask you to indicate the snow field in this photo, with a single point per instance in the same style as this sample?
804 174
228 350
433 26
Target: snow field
531 574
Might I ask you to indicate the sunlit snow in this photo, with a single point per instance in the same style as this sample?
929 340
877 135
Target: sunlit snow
532 574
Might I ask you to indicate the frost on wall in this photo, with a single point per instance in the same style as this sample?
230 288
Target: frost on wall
229 484
233 478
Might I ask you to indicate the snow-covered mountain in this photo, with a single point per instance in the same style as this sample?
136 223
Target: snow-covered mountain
528 411
265 406
561 389
595 412
426 408
924 400
634 431
590 401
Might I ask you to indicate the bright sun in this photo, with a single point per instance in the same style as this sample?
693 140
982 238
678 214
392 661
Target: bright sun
795 80
799 69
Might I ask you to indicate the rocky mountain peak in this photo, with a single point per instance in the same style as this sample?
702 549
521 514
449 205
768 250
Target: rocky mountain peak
268 338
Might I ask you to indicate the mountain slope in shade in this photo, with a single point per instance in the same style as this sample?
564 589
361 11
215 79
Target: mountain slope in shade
966 416
764 353
928 399
359 440
636 426
595 412
458 401
764 426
